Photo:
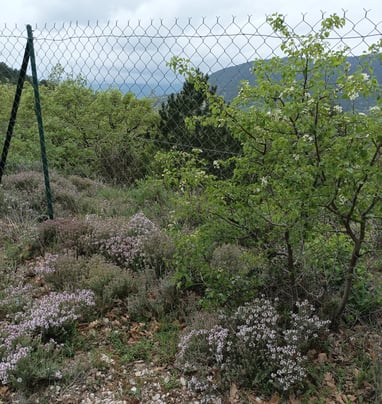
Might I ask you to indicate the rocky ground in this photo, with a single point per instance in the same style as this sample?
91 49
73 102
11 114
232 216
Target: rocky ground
139 382
149 383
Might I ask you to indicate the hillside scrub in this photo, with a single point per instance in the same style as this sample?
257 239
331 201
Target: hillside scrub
118 294
102 135
228 278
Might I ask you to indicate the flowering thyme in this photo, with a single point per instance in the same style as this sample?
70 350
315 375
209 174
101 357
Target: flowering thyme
53 311
253 341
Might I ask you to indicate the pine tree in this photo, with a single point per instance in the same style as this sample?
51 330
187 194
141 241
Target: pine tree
215 143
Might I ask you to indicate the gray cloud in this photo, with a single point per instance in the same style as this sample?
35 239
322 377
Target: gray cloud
46 11
137 52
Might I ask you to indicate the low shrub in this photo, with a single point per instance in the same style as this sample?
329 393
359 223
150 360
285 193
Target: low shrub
86 186
42 365
254 347
45 320
24 193
122 241
67 233
109 282
230 279
61 272
154 297
153 198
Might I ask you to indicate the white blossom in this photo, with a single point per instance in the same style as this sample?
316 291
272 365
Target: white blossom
216 164
353 95
337 109
307 138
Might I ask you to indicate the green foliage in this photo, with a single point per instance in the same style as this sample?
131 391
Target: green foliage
109 283
230 279
176 132
253 347
151 197
87 133
159 344
125 127
191 260
140 350
42 367
365 301
309 171
9 75
154 298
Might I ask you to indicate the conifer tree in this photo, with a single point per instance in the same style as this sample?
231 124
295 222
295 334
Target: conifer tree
215 143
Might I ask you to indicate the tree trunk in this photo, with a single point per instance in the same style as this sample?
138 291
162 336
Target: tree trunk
349 277
291 267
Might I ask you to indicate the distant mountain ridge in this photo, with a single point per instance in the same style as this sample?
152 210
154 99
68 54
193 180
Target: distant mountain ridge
9 75
228 79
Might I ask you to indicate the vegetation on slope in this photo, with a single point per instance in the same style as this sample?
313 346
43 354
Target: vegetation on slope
265 269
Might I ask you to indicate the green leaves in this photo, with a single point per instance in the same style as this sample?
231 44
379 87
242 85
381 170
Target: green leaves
309 169
187 119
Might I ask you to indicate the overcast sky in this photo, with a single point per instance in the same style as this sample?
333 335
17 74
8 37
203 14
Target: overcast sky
50 11
107 58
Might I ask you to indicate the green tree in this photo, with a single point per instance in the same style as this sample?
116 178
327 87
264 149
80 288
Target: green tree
67 107
104 133
307 188
125 129
177 132
24 147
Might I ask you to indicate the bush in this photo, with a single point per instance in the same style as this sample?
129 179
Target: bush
222 273
45 320
122 241
24 192
61 272
154 297
108 282
42 365
230 278
153 198
253 347
310 169
63 233
157 250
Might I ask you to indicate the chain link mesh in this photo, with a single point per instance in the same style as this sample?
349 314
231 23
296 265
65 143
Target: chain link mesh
133 57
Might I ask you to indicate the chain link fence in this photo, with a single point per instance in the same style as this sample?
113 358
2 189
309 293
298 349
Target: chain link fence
133 57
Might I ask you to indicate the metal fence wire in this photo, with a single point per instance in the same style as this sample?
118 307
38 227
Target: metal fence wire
133 57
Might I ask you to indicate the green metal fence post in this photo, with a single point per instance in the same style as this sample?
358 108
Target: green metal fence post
39 122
